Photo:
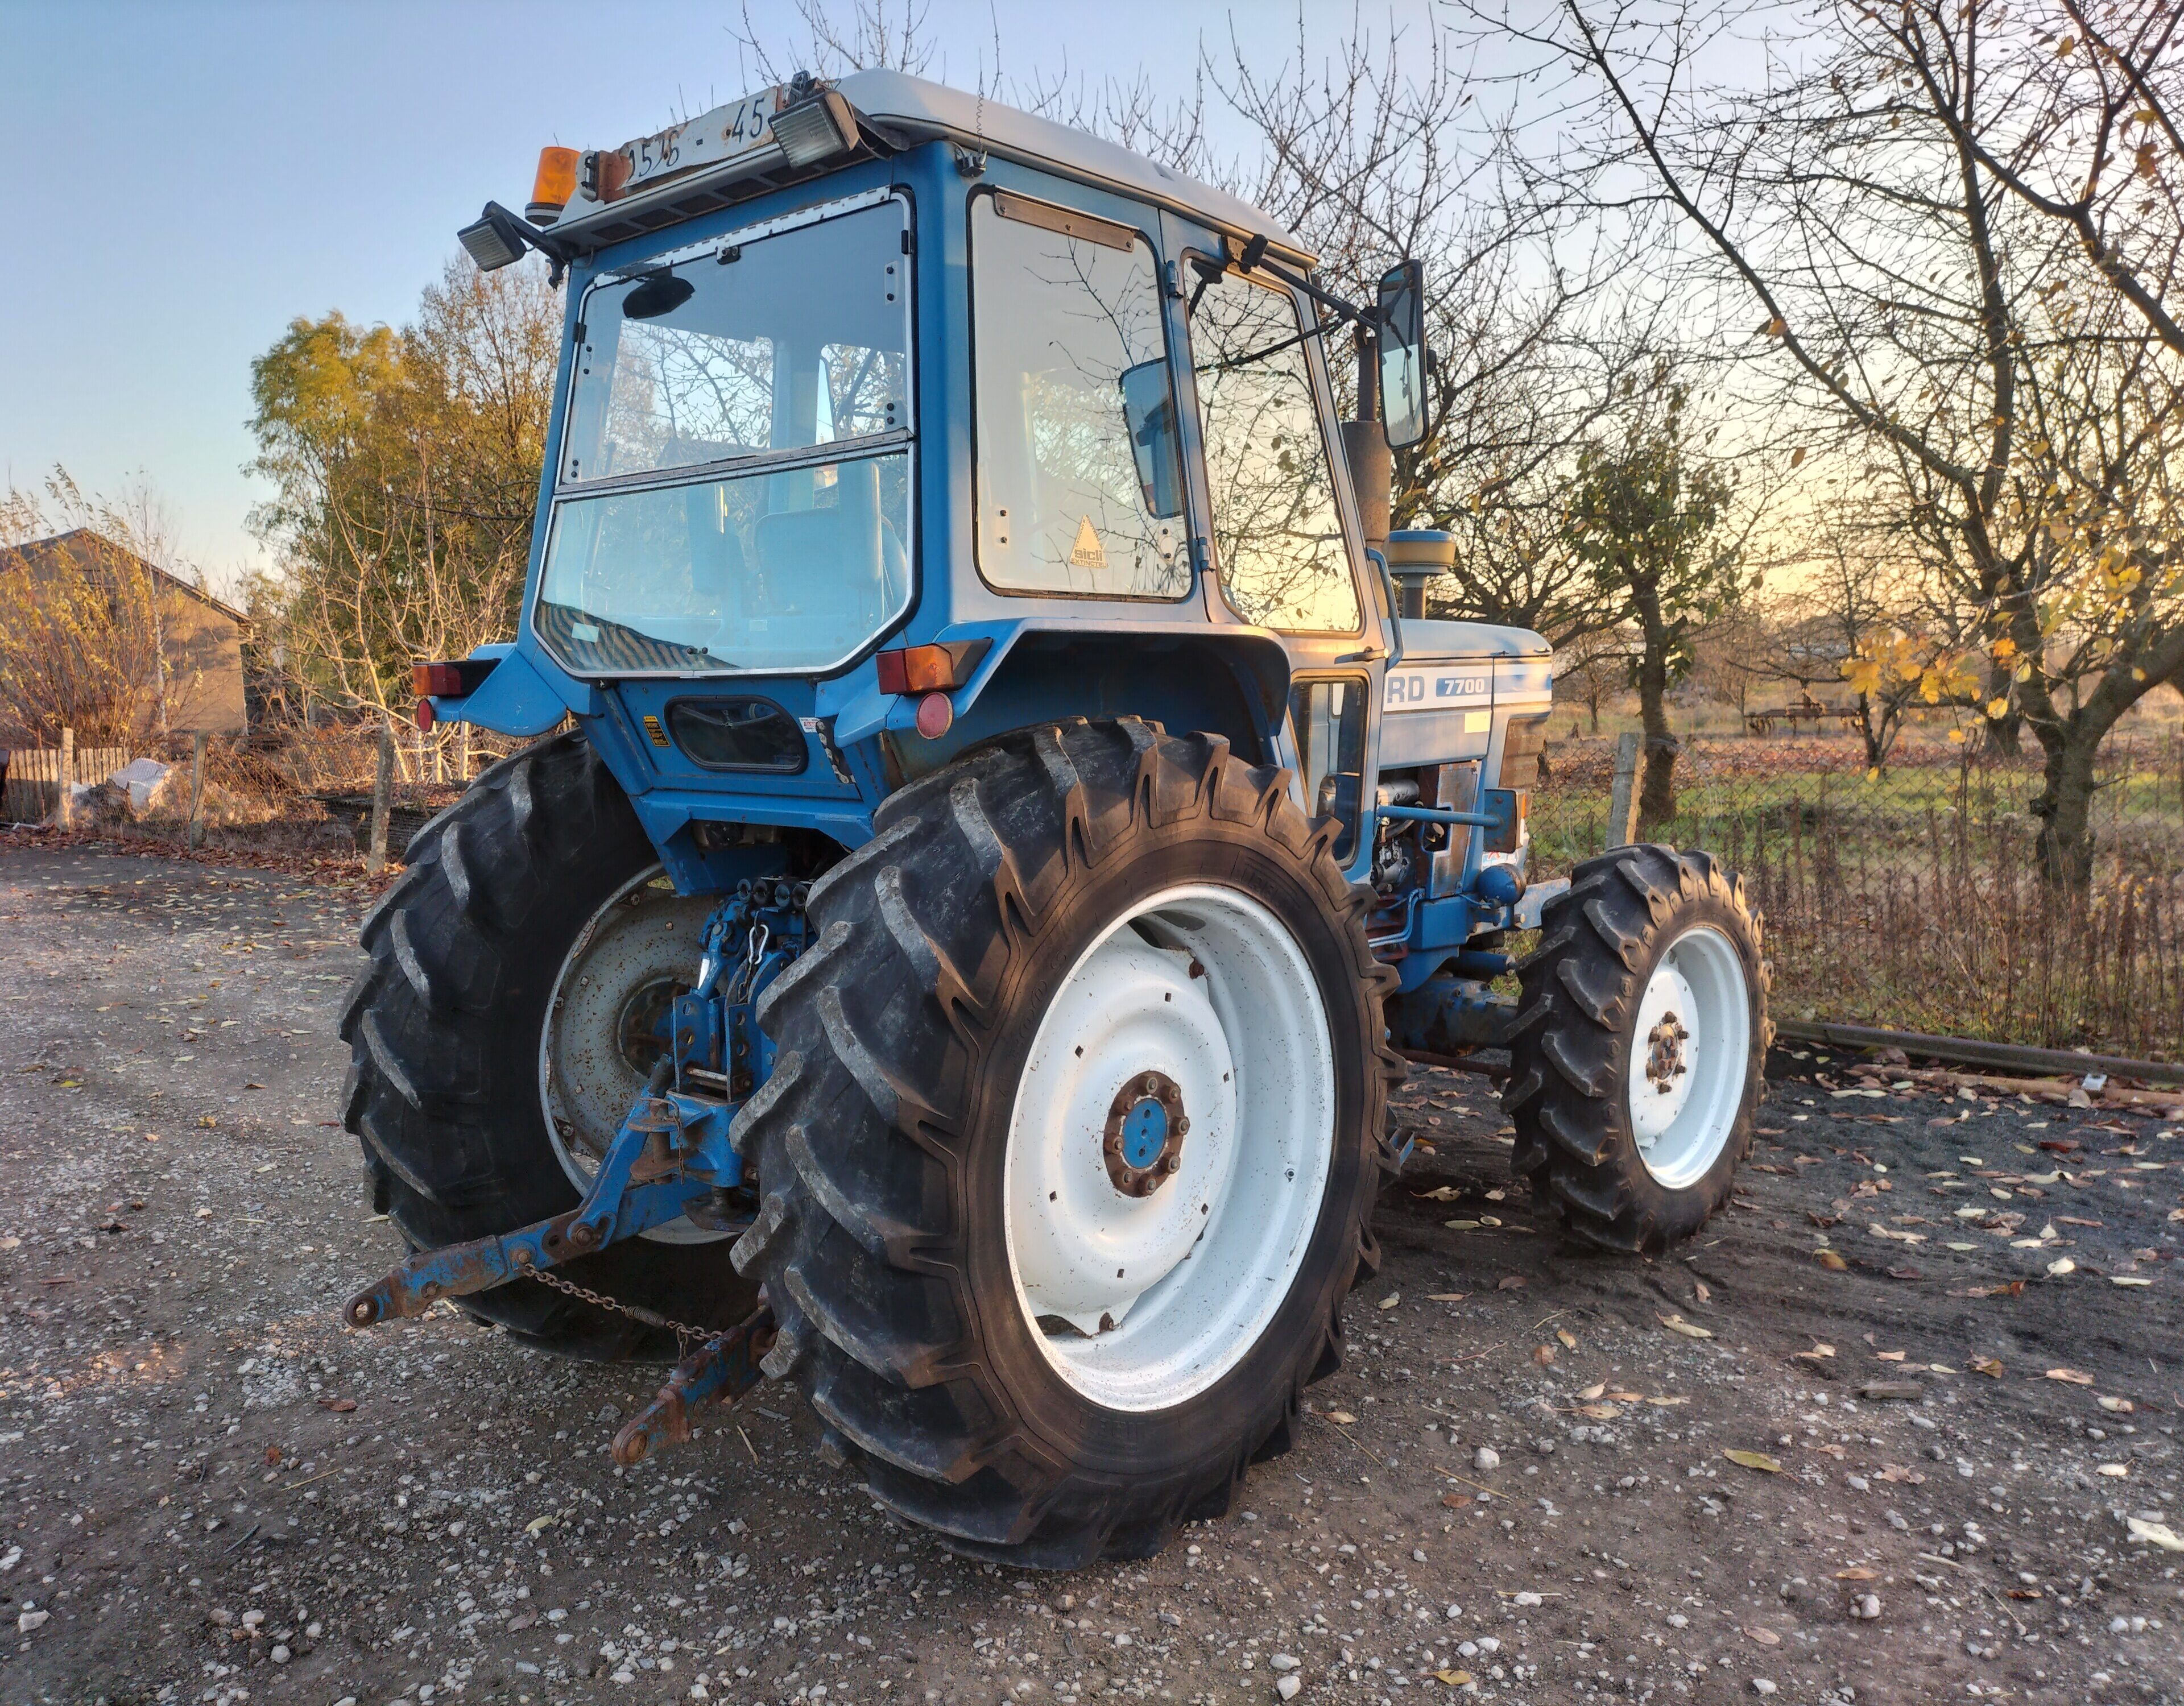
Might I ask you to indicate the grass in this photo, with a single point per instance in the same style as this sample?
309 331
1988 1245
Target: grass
1910 900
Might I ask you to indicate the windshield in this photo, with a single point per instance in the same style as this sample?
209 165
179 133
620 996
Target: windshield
733 490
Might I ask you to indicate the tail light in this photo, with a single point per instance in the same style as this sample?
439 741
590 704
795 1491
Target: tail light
930 668
457 680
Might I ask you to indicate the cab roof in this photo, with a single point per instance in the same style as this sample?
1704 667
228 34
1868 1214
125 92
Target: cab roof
900 111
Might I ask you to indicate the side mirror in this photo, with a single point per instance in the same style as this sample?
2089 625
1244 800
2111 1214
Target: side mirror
1149 415
1402 318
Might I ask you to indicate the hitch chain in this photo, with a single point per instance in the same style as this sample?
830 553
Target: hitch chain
685 1334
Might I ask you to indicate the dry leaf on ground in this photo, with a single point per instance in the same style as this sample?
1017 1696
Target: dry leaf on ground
1754 1460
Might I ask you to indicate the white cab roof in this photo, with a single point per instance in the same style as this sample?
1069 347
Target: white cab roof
914 109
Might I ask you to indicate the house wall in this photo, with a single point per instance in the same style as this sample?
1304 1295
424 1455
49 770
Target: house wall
204 649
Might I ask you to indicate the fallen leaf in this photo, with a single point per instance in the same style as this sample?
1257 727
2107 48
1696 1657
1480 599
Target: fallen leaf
1508 1282
1461 1225
1668 1403
2129 1279
1676 1323
1456 1501
2121 1407
537 1523
1897 1472
340 1406
2114 1472
1592 1392
1391 1300
1818 1351
2055 1269
1627 1398
1754 1460
1446 1296
1454 1679
1342 1417
1987 1365
1700 1287
2156 1534
2070 1374
1568 1339
1890 1356
2025 1593
1856 1572
1833 1262
1765 1637
1599 1412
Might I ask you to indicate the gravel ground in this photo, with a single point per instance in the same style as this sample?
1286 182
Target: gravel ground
1882 1434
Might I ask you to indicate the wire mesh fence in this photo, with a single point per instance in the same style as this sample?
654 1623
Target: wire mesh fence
1912 898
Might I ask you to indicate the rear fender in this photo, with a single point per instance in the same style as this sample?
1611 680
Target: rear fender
1232 682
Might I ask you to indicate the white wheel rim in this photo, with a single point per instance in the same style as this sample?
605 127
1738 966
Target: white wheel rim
1202 988
644 934
1689 1055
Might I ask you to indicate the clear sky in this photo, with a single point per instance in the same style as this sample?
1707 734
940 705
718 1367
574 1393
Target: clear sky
187 178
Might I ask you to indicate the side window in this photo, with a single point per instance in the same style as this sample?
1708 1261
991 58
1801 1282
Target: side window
1328 720
1078 472
1283 561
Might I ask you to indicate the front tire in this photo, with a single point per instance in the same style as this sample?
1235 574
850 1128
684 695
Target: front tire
1029 985
445 1092
1636 1059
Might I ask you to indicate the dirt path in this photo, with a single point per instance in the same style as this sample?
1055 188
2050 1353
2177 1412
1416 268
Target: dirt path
208 1490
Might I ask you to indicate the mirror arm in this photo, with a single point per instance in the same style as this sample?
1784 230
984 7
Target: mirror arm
559 254
1253 259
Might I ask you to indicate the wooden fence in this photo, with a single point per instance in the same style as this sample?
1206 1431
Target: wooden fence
34 778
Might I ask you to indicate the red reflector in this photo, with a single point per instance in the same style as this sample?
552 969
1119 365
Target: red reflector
426 717
936 714
893 677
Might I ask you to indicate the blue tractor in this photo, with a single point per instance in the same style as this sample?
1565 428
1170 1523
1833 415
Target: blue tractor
1016 820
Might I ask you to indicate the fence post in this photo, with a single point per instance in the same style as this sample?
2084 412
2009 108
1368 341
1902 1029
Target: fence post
382 786
64 812
1623 802
196 837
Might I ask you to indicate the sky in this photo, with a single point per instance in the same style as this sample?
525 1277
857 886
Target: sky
188 178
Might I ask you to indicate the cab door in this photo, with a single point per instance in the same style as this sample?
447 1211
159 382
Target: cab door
1274 526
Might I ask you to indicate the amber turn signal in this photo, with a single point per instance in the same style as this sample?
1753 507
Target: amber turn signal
930 668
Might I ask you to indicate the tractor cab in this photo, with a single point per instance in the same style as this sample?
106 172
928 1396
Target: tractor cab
892 419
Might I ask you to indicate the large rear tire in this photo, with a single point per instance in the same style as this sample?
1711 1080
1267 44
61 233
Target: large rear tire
1636 1058
445 1089
1095 962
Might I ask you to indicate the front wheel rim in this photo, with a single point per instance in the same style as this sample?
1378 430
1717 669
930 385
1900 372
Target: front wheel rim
1689 1051
1169 1147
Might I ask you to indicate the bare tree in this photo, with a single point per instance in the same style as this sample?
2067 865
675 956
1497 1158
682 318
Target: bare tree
1913 309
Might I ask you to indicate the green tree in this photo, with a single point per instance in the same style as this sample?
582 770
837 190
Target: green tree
405 465
1646 518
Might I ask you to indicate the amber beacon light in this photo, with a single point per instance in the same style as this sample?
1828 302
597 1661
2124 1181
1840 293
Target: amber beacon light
555 183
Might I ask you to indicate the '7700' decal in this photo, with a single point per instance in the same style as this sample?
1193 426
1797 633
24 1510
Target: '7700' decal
1435 689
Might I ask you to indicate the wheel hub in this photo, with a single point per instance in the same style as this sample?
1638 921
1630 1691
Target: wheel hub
1143 1144
1664 1052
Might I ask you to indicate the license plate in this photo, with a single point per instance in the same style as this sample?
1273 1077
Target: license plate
726 133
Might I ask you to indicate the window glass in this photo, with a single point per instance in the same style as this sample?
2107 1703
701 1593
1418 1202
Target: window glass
1327 719
1076 453
1283 561
787 570
791 340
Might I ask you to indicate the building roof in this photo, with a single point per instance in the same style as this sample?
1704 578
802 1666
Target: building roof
77 543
